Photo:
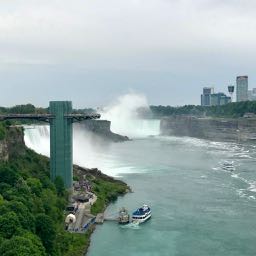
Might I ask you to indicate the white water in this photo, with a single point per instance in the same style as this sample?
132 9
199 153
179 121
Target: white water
124 117
192 197
90 150
37 137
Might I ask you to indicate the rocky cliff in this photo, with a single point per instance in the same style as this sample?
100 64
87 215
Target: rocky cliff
102 129
219 129
13 143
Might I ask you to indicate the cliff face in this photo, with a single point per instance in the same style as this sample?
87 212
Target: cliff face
102 129
4 156
219 129
13 144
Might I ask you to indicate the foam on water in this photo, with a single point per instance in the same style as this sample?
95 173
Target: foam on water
88 150
132 225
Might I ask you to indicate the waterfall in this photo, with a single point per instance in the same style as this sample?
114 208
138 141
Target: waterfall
124 117
89 150
37 137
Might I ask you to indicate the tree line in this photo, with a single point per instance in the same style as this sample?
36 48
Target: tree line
32 207
31 109
231 110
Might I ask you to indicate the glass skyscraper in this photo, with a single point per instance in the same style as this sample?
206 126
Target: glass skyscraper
206 96
209 98
242 88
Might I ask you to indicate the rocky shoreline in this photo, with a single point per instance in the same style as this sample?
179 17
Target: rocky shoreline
217 129
106 188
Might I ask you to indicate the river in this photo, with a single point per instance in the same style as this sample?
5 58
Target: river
198 209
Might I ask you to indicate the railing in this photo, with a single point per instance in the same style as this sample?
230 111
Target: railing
48 117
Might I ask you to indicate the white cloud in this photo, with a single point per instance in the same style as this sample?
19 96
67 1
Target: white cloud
141 44
89 30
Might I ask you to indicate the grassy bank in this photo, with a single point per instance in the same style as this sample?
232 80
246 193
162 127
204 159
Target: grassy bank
32 206
79 243
107 192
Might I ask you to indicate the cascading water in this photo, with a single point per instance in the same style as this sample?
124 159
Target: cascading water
89 150
37 137
125 120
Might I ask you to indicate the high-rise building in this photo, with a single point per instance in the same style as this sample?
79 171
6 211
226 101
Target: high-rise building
206 96
220 98
224 99
242 88
209 98
252 94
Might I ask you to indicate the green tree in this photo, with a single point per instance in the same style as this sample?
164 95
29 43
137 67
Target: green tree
35 186
36 241
26 219
9 225
8 175
20 246
59 184
23 109
1 200
45 229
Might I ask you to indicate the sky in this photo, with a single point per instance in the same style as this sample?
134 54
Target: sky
92 51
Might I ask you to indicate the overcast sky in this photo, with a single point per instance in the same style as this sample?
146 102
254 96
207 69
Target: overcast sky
91 51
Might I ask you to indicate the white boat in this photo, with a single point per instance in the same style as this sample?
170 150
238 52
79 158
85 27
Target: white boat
141 214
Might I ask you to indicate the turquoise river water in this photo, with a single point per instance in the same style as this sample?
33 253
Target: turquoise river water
198 209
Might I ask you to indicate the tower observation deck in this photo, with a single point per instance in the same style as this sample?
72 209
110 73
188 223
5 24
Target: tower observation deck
61 122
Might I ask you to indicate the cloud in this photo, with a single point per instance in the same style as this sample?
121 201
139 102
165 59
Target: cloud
86 30
140 42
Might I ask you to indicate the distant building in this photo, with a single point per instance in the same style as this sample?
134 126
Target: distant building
224 99
218 99
252 94
231 89
209 98
242 88
206 96
214 99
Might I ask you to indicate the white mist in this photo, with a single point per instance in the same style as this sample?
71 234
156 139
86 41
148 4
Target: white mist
123 114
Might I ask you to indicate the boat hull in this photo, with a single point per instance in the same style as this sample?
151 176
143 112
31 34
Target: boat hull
141 214
141 220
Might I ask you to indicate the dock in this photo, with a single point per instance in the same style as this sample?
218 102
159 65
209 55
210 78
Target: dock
123 217
99 218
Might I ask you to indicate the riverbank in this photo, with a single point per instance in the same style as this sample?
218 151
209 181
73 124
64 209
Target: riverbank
107 190
210 128
32 206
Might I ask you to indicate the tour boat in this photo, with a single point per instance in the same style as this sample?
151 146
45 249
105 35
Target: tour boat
141 214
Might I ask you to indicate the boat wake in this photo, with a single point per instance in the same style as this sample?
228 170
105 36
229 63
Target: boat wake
249 186
132 225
